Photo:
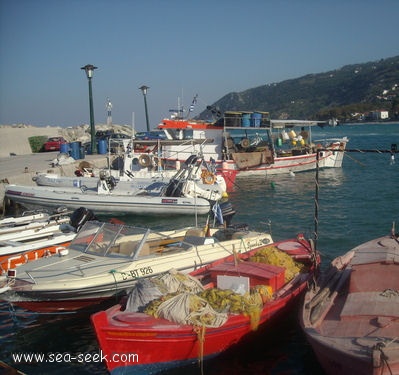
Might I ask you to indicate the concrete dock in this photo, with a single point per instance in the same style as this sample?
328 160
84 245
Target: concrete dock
20 169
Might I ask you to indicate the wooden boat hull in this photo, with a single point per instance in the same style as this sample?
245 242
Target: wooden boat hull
248 165
335 357
159 344
243 151
106 203
351 316
174 345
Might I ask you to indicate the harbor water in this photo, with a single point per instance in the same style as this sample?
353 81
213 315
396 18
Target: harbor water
357 202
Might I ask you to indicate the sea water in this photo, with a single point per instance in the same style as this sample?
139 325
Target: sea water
356 203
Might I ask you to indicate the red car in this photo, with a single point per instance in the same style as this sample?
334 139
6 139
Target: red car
54 143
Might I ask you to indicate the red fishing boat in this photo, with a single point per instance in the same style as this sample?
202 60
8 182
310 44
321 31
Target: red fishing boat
254 287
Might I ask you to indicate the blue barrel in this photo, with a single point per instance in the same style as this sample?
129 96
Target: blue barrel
246 120
256 119
82 152
102 146
64 148
75 150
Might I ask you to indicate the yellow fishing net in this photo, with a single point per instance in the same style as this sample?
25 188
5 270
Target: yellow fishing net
272 255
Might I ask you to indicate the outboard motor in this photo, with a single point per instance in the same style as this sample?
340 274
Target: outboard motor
191 160
223 211
80 216
174 188
111 182
227 212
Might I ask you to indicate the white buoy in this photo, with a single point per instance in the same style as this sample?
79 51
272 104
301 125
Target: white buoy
292 174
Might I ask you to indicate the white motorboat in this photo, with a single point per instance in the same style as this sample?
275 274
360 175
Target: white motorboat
41 234
105 201
185 194
140 171
106 260
34 229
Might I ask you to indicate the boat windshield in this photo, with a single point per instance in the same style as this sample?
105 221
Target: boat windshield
116 240
105 239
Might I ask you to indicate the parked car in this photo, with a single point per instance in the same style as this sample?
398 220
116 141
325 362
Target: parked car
53 143
104 134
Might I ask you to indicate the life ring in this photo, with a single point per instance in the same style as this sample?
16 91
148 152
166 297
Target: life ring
245 143
208 177
144 160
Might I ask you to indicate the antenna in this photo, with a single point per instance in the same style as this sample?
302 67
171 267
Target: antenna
108 106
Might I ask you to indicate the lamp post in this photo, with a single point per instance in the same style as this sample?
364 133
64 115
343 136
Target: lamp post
144 91
89 69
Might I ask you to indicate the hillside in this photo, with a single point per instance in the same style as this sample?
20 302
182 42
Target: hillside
340 93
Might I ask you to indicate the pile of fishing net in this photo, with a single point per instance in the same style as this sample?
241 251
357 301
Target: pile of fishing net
272 255
186 308
149 289
210 307
249 304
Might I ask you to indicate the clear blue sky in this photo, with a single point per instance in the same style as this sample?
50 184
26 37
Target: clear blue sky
179 48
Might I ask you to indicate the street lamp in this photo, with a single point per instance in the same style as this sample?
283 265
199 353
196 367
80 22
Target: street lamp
89 69
144 90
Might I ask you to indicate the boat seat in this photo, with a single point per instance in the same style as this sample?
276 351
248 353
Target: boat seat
145 250
194 236
197 232
128 248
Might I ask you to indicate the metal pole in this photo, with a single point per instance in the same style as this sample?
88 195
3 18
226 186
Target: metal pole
146 112
144 89
92 127
316 201
89 69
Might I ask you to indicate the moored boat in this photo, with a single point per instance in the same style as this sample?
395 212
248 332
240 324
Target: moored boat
246 143
185 194
176 321
33 196
33 230
351 315
136 171
104 260
44 243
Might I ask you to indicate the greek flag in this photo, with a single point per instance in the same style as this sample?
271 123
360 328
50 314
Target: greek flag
217 212
193 103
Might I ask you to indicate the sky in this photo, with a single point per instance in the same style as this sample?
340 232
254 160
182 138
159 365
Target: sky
178 48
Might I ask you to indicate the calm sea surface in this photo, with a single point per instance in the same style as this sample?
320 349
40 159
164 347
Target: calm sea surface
356 203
